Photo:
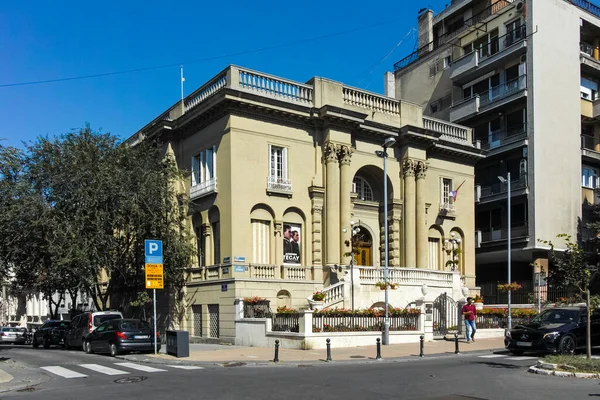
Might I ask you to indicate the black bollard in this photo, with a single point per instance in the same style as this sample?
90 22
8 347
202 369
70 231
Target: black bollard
276 359
328 350
378 349
456 351
421 345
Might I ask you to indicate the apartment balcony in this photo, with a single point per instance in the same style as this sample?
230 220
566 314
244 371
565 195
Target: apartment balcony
590 109
498 191
505 140
590 148
490 57
277 185
203 189
447 210
588 58
519 232
487 101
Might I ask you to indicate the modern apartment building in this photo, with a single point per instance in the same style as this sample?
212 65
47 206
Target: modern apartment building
284 174
524 76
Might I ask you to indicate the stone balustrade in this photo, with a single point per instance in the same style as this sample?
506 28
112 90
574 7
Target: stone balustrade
408 276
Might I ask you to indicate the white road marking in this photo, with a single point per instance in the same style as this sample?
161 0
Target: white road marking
103 370
493 356
140 367
521 358
184 367
65 373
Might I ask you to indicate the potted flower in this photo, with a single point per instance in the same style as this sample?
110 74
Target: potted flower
317 299
384 285
509 287
478 302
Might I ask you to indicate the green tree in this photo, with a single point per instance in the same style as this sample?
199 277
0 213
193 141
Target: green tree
573 268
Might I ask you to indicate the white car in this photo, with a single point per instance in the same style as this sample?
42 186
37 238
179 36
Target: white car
8 334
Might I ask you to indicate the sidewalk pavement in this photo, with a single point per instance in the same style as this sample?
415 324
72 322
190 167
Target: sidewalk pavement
212 354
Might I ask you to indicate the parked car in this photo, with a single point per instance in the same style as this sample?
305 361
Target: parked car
8 334
51 333
22 336
83 324
557 330
121 336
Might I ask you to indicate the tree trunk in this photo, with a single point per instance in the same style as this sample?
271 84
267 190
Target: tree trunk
588 336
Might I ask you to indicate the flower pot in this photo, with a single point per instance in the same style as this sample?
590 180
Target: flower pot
315 305
479 306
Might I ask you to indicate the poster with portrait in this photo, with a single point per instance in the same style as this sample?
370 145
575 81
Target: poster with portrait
292 244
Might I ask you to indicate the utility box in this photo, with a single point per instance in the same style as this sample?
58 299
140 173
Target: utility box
178 343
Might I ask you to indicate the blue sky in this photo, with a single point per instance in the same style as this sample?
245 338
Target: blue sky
44 40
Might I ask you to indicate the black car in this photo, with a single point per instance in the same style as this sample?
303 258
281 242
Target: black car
557 330
51 333
120 336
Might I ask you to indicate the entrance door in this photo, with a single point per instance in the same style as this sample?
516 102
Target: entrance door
363 243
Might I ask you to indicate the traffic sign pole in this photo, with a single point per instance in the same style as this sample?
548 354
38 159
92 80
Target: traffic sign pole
155 327
154 276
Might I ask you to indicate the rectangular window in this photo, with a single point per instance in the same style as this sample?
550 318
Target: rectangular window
204 166
446 189
434 254
278 163
261 241
589 177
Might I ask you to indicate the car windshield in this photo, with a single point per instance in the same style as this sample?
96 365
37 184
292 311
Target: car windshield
100 319
557 316
134 325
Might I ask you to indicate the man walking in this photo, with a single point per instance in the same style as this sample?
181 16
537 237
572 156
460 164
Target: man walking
470 313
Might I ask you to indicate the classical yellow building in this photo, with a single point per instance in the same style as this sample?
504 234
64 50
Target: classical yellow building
283 173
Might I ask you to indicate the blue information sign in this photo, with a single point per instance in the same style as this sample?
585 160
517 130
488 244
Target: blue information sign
153 251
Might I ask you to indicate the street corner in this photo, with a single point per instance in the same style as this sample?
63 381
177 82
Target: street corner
18 377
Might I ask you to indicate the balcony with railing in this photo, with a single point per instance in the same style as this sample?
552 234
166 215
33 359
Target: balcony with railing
590 148
588 6
519 231
500 139
489 56
492 98
449 132
203 188
589 57
279 185
498 190
452 33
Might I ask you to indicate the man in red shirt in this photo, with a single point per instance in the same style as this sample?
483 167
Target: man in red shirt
470 314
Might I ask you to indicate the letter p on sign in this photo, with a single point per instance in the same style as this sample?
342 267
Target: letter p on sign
154 251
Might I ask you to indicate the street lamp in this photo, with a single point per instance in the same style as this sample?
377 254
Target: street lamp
355 231
454 242
507 182
389 142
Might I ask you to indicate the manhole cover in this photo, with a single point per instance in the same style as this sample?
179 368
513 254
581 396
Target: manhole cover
131 379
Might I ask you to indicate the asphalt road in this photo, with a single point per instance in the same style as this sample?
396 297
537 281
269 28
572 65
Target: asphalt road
465 376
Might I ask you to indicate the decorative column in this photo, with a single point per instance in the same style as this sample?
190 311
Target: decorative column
278 259
208 260
344 155
408 170
332 202
421 231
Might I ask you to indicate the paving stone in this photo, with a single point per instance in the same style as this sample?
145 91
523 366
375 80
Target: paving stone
563 374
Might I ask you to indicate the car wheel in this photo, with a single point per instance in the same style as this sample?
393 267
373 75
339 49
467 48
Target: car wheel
567 345
35 343
46 343
88 347
114 351
83 344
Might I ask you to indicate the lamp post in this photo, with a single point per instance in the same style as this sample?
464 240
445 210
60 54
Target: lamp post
454 242
389 142
354 232
507 182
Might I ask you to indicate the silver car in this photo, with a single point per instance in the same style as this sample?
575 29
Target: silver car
9 334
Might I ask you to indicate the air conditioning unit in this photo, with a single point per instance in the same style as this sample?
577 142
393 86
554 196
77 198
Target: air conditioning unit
520 6
478 238
477 193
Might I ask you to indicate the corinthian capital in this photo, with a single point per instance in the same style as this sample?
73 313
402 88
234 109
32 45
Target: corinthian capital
421 169
344 154
330 152
408 167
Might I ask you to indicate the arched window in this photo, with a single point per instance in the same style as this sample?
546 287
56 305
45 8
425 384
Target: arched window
362 189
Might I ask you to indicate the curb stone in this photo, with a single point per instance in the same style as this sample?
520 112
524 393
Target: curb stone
562 374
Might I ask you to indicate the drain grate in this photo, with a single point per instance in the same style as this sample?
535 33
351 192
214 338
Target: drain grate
131 379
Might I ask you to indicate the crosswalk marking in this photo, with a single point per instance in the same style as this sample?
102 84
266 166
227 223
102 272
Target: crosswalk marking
184 367
493 356
140 367
521 358
65 373
103 370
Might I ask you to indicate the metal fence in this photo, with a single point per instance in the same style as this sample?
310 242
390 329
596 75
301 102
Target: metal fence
260 309
496 321
285 322
528 294
363 323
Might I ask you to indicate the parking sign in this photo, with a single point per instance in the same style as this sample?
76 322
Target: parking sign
154 251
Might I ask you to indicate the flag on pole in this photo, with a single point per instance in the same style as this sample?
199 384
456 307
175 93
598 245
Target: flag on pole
454 193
